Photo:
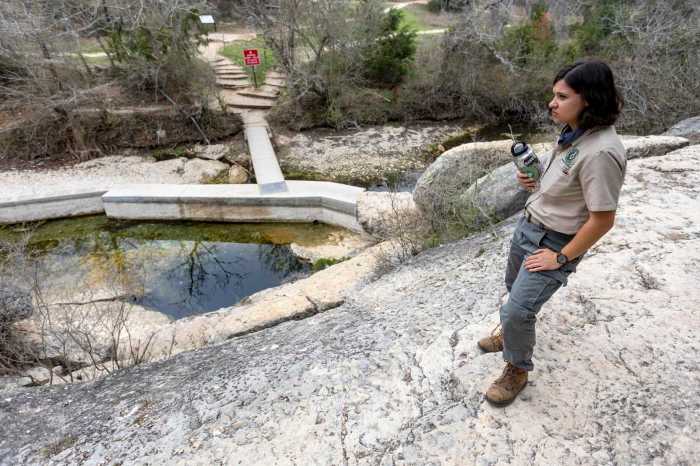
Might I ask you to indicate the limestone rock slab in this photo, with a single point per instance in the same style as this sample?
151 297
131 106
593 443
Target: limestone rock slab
651 146
688 128
211 151
393 373
386 214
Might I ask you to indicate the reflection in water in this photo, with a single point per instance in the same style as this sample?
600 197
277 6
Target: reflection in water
207 276
176 277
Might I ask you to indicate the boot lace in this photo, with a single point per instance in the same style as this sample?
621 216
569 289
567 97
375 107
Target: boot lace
496 334
508 376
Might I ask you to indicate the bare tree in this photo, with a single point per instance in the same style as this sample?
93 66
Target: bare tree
51 341
47 77
658 64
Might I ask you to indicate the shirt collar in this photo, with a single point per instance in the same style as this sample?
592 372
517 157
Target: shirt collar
568 136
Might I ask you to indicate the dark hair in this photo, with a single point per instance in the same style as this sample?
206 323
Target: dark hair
594 81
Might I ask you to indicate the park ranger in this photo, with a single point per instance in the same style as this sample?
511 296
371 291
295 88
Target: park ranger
570 209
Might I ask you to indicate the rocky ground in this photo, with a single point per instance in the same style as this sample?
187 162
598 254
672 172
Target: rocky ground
360 157
393 376
105 172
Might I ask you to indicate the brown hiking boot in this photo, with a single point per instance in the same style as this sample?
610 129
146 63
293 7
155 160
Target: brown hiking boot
504 390
494 342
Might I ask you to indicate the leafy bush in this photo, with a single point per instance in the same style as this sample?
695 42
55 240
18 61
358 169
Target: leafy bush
389 57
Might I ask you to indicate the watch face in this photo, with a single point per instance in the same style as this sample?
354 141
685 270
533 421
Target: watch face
561 258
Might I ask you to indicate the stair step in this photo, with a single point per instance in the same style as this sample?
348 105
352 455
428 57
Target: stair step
227 65
269 89
232 87
231 74
241 101
275 82
258 94
244 81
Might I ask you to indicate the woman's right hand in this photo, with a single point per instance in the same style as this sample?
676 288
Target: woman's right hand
526 182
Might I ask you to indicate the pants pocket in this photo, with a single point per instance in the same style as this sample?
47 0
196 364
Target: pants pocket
531 237
532 289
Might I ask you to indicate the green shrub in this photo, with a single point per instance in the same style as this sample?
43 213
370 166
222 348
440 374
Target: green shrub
324 263
389 58
531 42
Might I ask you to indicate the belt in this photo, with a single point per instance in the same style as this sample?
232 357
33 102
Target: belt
529 219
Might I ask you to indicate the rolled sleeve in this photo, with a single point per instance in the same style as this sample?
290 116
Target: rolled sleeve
601 176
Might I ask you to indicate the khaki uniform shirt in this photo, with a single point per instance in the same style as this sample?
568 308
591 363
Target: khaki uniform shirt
581 178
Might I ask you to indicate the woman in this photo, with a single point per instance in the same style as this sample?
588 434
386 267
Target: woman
571 209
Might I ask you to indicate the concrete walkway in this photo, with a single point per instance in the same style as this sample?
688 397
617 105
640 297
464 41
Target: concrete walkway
267 170
251 104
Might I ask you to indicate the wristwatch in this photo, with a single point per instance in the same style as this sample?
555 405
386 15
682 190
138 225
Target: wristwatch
562 259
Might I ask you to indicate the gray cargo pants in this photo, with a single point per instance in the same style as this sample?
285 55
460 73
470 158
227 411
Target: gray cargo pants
529 290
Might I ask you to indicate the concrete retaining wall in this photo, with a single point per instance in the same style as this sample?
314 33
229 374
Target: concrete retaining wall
57 205
303 201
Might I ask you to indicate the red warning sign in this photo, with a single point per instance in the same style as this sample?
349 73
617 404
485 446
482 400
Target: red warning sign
251 57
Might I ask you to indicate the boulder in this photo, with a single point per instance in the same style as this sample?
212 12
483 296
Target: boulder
382 214
651 146
688 128
498 193
444 181
200 171
237 174
238 157
82 333
37 376
210 152
338 246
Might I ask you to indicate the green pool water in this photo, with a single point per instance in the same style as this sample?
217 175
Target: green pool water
178 268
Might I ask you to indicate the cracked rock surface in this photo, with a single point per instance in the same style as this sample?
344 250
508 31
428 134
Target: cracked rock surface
360 157
106 172
393 375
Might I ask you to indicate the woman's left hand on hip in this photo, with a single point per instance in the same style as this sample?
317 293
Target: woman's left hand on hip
542 259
